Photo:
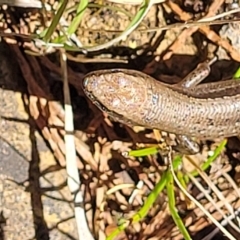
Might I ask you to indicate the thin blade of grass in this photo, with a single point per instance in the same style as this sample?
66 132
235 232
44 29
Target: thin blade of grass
144 209
213 201
147 4
143 152
211 159
147 204
165 181
172 206
237 74
76 21
73 179
55 21
215 222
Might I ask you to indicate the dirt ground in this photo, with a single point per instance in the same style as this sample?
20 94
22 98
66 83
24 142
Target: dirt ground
35 202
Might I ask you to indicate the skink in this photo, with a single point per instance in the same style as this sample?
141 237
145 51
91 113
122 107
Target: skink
204 111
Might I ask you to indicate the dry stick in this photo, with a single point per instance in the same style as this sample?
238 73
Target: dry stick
212 186
22 3
202 22
211 35
71 163
190 220
81 147
231 182
210 199
83 59
187 32
215 222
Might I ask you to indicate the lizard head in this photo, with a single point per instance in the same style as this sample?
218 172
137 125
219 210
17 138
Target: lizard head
119 92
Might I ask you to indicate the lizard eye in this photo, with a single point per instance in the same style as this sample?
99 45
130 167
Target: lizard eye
85 82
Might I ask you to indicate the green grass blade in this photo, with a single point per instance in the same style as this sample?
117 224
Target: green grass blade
211 159
180 176
147 204
144 209
143 152
172 206
237 74
165 181
55 21
76 21
150 200
132 26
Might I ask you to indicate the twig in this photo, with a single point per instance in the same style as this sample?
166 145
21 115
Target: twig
71 163
211 35
199 205
22 3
